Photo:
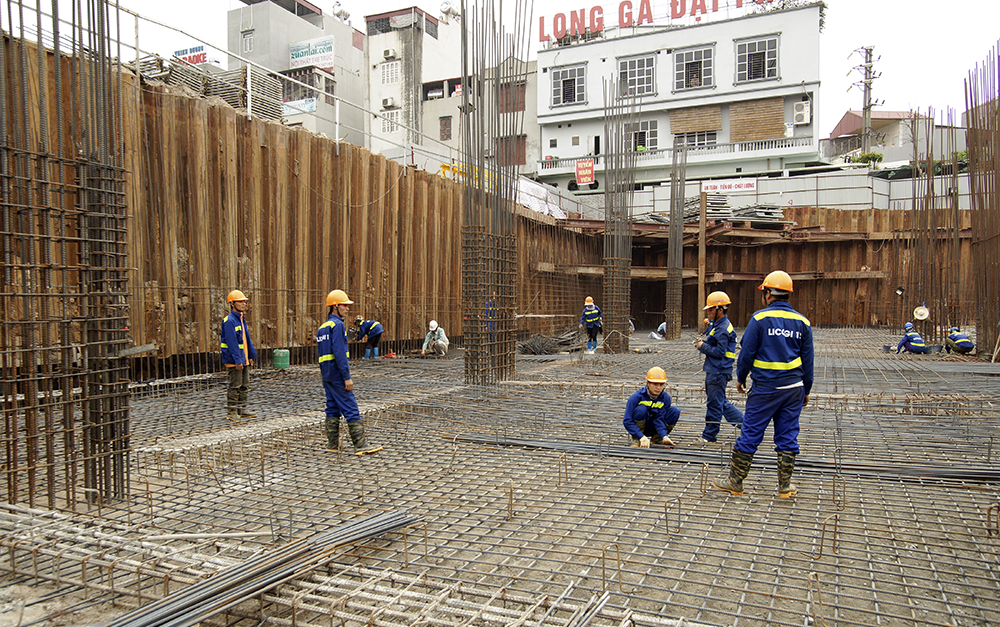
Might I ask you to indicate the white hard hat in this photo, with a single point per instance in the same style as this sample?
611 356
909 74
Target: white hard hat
433 325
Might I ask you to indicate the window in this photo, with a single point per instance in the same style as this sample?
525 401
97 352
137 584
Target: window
390 121
568 85
512 150
693 69
390 72
293 91
511 97
636 75
757 59
553 143
705 138
330 88
247 41
644 135
445 125
575 140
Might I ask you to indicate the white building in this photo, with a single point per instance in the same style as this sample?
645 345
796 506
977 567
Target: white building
742 92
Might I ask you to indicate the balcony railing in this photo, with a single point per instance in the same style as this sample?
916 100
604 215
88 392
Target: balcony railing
710 150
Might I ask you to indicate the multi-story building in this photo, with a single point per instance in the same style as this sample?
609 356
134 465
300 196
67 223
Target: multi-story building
893 135
742 93
296 40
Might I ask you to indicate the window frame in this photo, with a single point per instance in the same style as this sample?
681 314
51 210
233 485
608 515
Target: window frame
771 53
512 150
680 80
649 130
701 138
391 70
247 38
648 73
390 121
444 128
512 96
559 75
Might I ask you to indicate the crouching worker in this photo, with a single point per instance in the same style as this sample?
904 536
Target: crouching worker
649 416
911 342
373 330
958 342
331 339
435 341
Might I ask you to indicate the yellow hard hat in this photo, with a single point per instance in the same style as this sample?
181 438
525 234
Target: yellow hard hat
589 300
656 375
338 297
717 299
777 280
236 295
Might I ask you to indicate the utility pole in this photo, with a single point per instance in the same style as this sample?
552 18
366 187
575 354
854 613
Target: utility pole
867 70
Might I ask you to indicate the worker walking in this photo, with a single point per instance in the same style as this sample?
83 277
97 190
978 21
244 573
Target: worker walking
238 354
958 342
911 341
435 341
371 329
719 348
649 416
591 320
778 351
331 339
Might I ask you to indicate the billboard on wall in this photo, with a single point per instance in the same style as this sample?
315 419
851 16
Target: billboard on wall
317 52
194 55
730 185
584 171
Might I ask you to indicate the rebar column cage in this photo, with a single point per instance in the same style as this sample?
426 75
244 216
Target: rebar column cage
494 42
672 310
63 299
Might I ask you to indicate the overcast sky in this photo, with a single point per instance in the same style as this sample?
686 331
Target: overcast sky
925 48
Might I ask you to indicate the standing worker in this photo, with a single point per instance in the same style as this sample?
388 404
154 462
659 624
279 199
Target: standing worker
649 416
373 330
435 341
911 341
238 353
719 348
592 320
778 349
331 339
958 342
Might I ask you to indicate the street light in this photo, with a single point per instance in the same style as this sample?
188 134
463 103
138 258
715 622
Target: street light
899 292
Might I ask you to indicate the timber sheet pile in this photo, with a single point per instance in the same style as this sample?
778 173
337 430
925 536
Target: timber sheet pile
536 512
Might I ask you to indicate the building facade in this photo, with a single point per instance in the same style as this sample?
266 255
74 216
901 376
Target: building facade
742 93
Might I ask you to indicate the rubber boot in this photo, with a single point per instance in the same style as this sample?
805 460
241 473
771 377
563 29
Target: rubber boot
786 465
361 446
368 354
242 405
232 405
739 467
375 353
232 414
332 433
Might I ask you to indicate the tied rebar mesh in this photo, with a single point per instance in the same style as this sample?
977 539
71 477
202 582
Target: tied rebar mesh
494 42
63 299
982 95
672 311
624 140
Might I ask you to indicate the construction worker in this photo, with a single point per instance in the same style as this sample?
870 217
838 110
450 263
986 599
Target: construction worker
649 416
331 339
373 330
958 342
238 353
778 350
435 341
911 341
591 320
719 348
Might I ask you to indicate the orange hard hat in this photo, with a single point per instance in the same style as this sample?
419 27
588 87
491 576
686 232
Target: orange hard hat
338 297
777 280
717 299
656 375
236 295
589 300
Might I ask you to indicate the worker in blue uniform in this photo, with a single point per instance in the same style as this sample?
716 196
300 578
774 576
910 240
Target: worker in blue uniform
591 320
331 340
649 416
777 348
372 329
911 342
719 348
238 354
958 342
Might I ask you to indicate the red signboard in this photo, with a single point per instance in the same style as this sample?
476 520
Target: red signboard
584 171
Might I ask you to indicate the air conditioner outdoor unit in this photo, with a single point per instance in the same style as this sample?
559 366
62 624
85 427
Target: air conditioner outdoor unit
389 53
801 113
388 103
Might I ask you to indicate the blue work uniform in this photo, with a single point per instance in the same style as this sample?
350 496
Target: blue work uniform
652 417
912 342
591 319
369 328
234 340
778 352
719 349
331 340
960 342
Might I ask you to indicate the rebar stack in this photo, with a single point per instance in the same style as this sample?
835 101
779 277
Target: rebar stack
494 50
63 299
621 136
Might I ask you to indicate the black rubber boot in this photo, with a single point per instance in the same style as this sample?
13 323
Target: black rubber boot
232 405
243 411
333 433
361 446
739 467
786 465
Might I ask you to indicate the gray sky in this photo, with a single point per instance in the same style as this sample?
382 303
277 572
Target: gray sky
926 48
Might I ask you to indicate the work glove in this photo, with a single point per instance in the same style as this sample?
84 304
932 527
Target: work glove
667 441
644 442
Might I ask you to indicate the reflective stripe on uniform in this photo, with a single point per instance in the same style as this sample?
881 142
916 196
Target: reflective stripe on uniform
731 355
778 365
323 358
788 315
651 404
